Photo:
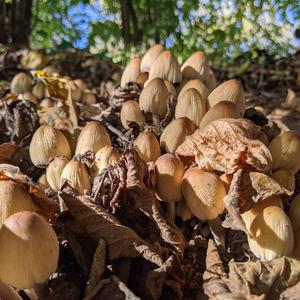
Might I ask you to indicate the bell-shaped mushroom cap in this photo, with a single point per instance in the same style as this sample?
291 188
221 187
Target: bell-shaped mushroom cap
154 98
196 67
203 193
169 173
150 56
175 132
230 90
21 83
166 66
195 84
106 156
191 104
131 72
223 109
294 212
170 87
131 112
29 250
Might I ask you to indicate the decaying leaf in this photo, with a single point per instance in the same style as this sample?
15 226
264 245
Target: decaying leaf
121 241
247 189
44 205
256 280
226 145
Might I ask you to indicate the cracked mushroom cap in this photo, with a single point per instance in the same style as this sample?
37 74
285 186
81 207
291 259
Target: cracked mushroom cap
150 56
131 72
166 67
29 250
230 90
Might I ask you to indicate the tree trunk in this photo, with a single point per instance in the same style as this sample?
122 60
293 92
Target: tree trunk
15 19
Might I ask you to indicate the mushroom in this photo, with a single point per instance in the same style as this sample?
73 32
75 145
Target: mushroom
169 173
192 105
285 177
230 90
88 97
175 132
106 156
285 149
29 250
203 192
150 56
195 84
154 99
92 138
46 143
131 112
147 146
21 83
166 66
272 234
294 212
54 171
131 72
39 90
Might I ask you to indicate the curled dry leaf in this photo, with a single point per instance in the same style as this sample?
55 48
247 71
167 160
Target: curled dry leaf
121 241
45 206
226 145
247 189
255 280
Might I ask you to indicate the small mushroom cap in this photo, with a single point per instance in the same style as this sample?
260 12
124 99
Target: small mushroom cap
195 84
39 90
272 234
169 173
131 112
294 212
92 138
286 178
166 66
196 67
223 109
77 176
14 198
150 56
21 83
142 78
175 132
191 104
203 193
29 250
285 149
147 146
88 97
230 90
154 98
106 156
46 143
54 171
131 72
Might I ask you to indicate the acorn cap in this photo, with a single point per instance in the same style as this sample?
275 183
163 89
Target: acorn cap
166 66
77 176
54 171
131 112
191 104
272 234
205 200
195 84
92 138
285 149
106 156
169 173
230 90
147 146
29 250
21 83
154 99
285 178
46 143
131 72
223 109
294 212
14 198
196 66
175 132
150 56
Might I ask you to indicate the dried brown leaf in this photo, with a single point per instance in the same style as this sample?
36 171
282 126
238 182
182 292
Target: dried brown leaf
226 145
121 241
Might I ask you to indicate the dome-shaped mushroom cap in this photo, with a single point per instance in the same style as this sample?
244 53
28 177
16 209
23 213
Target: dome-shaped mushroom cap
166 67
195 84
21 83
131 72
150 57
29 250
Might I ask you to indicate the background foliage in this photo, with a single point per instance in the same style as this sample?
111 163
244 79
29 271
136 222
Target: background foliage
223 29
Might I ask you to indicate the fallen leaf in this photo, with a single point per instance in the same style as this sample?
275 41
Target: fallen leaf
226 145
